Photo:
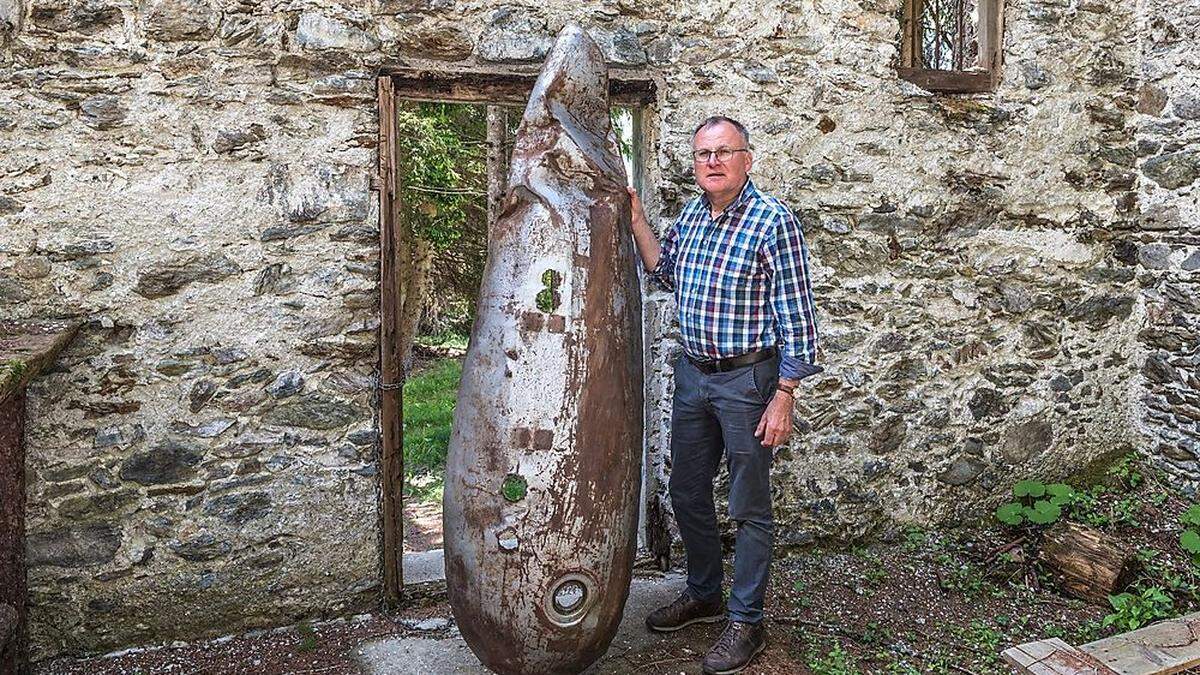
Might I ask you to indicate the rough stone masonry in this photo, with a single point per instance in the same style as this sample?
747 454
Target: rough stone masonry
1005 281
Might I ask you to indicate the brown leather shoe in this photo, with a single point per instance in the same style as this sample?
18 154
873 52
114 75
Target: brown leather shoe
735 649
685 611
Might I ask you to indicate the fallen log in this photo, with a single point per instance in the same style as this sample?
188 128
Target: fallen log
1085 562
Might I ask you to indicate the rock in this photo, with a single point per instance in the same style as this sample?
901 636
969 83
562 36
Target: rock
1098 310
987 402
1192 262
200 548
274 279
760 73
439 41
286 384
325 193
171 20
1174 170
514 35
963 471
75 546
118 436
888 436
313 412
1158 369
241 508
363 437
81 16
13 292
621 47
170 461
1186 105
1027 440
229 140
103 505
318 32
201 393
1152 99
431 624
1154 256
1035 75
102 111
9 206
102 281
166 278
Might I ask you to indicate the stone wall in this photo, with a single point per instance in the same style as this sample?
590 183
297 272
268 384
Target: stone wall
194 177
1168 254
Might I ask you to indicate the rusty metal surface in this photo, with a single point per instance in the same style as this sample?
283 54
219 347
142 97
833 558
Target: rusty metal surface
543 473
12 533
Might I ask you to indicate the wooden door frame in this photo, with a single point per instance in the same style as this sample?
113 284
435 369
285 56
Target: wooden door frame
633 89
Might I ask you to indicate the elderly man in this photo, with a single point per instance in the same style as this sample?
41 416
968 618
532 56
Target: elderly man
736 261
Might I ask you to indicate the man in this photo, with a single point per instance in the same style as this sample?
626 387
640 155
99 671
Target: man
736 261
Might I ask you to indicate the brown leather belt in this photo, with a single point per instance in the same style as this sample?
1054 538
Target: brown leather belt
724 365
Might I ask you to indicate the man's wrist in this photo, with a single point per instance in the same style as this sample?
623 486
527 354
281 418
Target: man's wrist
787 386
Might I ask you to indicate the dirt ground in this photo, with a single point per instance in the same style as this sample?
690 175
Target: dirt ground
422 526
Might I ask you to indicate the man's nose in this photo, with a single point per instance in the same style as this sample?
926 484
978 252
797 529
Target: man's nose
712 160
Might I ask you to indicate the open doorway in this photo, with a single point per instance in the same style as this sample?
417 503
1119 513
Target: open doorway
444 166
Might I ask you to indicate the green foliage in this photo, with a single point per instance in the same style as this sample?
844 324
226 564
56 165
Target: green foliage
1035 503
514 487
837 661
308 637
429 399
1139 608
1125 471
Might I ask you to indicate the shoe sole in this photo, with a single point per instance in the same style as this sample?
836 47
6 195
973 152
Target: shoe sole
741 667
685 624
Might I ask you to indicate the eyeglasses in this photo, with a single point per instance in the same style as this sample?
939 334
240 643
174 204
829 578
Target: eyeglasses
722 154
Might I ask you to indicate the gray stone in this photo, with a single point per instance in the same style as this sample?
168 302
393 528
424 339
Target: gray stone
102 111
888 436
166 278
170 461
1027 440
171 20
313 411
1186 105
986 402
514 35
1154 256
326 193
963 471
120 435
200 394
73 546
286 384
9 206
1174 170
439 41
1152 99
201 548
103 505
80 16
229 140
317 32
621 47
1192 262
363 437
1035 75
240 508
1098 310
13 292
759 73
102 281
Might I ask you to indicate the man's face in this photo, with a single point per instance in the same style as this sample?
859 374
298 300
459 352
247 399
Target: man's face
714 176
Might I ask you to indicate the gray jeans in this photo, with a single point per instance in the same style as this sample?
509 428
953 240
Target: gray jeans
713 415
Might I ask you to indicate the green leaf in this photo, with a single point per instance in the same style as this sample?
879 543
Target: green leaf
1029 488
1060 493
1191 516
1043 512
1190 541
1010 514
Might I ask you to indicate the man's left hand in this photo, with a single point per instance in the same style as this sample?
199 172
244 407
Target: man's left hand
775 427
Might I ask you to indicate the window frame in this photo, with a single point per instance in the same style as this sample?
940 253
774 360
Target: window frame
991 53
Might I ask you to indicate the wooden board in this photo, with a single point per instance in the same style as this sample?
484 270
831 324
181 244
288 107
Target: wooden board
1165 647
1052 657
29 347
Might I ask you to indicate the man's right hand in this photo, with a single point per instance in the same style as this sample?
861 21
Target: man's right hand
636 210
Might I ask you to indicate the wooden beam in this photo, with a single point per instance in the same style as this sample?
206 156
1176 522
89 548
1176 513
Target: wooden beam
1171 646
502 87
391 376
947 81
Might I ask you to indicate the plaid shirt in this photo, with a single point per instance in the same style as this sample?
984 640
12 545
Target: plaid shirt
741 281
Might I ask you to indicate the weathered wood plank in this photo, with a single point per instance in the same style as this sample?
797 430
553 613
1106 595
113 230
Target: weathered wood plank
29 347
502 86
1053 657
390 359
1166 647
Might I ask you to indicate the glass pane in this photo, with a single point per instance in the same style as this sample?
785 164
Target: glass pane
950 34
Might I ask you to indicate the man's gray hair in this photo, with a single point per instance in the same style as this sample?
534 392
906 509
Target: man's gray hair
717 119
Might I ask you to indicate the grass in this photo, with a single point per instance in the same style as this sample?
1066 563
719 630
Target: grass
429 398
